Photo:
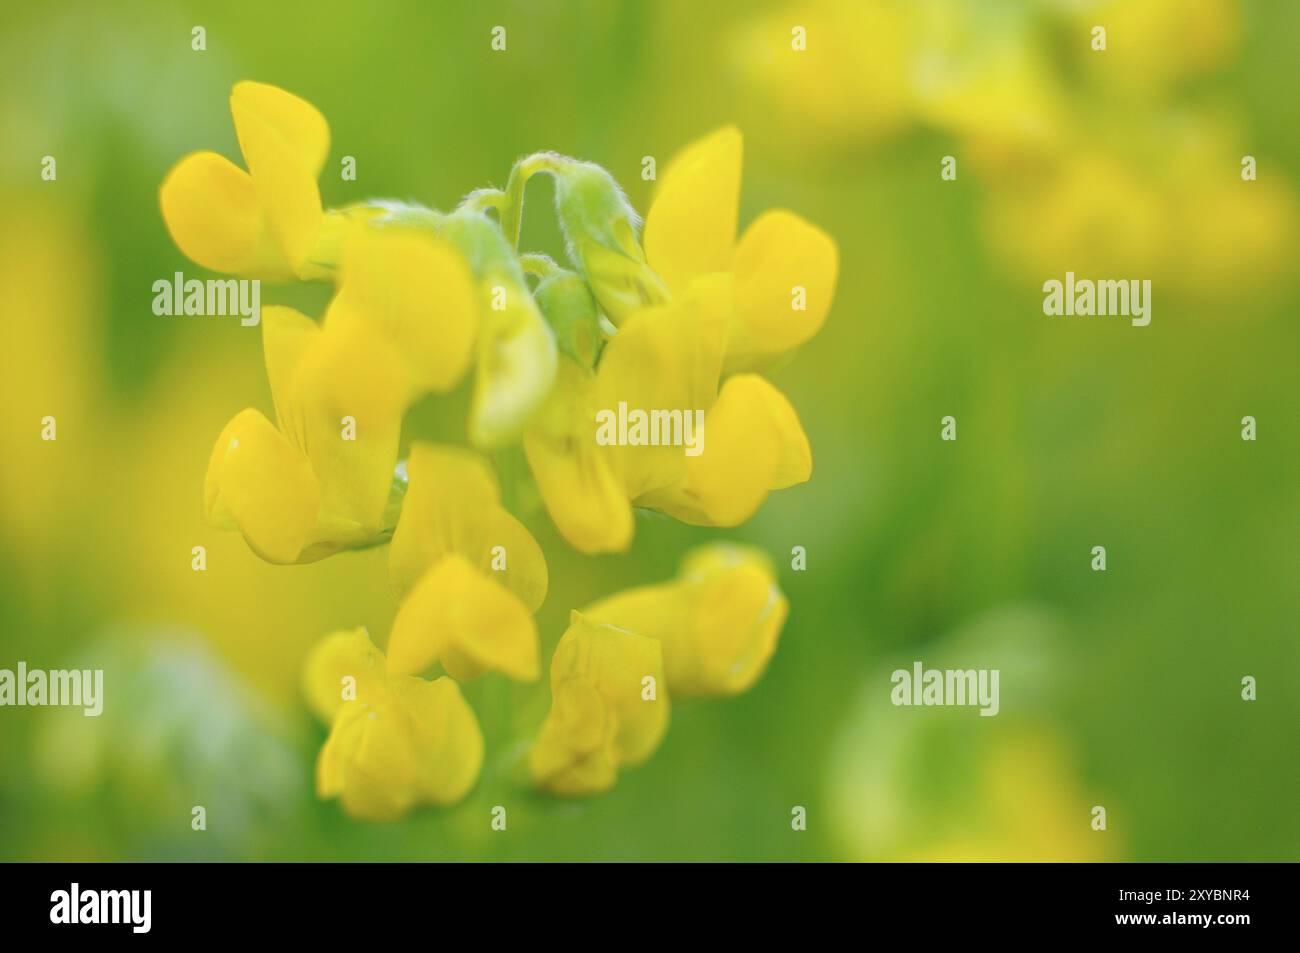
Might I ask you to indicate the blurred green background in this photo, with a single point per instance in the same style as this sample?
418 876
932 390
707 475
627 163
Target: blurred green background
1119 689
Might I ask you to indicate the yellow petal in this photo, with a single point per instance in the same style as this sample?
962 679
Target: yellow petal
737 614
446 738
617 664
691 227
753 443
574 753
213 214
259 483
516 364
369 761
287 336
782 261
418 292
349 395
727 482
452 507
510 544
284 141
296 121
584 497
794 455
344 666
718 622
457 613
662 359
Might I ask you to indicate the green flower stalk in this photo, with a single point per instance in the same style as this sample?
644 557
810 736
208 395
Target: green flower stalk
600 229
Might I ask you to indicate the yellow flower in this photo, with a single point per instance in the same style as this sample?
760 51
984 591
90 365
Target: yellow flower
1166 210
471 574
395 742
402 324
851 82
261 223
718 621
784 268
1160 44
664 358
608 708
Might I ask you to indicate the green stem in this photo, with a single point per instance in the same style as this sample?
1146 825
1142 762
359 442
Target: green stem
512 211
543 266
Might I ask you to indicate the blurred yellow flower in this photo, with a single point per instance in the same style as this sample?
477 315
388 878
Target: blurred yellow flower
849 81
1155 45
608 708
1032 811
1171 206
471 574
784 268
943 783
1093 160
263 223
718 621
395 743
665 357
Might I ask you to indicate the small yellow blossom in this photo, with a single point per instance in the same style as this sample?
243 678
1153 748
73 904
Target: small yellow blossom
718 621
301 492
784 268
395 743
471 574
401 325
264 222
608 708
665 357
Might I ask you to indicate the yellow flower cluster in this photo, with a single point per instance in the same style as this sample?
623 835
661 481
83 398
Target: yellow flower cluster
684 322
1100 152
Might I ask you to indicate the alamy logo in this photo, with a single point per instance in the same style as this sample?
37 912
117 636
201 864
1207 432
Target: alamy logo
58 688
216 297
935 686
654 428
132 907
1085 298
